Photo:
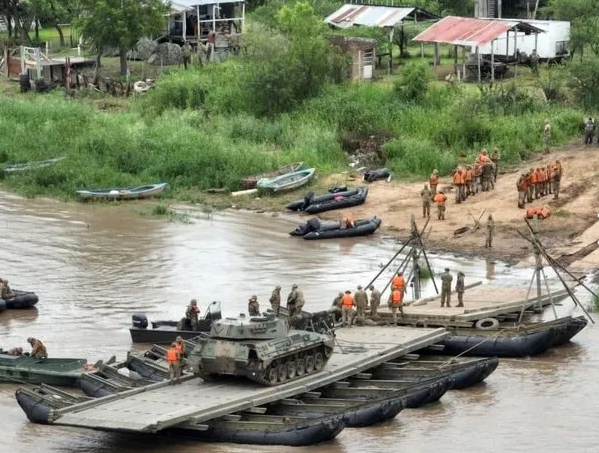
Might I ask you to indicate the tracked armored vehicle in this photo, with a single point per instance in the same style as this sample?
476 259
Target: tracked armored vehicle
263 349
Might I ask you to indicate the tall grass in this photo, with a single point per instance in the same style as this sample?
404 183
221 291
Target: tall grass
196 129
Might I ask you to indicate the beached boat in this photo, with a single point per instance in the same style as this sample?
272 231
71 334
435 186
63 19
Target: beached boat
375 175
21 299
123 193
259 429
249 182
330 201
526 340
26 369
162 332
289 181
15 168
314 229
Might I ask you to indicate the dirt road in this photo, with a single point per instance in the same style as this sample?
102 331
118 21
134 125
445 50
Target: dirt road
575 212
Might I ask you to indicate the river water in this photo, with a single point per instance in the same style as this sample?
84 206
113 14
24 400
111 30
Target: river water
94 266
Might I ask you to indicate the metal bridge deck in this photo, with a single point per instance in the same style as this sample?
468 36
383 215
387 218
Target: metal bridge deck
161 405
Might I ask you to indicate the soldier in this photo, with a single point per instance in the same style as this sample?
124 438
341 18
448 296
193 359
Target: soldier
490 231
253 306
361 300
375 301
556 177
446 279
191 314
549 179
426 195
467 181
38 350
180 346
531 185
541 181
460 288
174 364
434 181
547 135
488 172
458 181
396 303
186 54
5 291
440 199
336 305
347 307
495 158
534 62
536 181
295 301
522 186
16 351
275 300
589 131
399 282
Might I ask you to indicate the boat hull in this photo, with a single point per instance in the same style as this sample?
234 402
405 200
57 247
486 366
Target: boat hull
308 433
22 299
27 370
330 201
251 181
127 193
287 182
36 409
363 228
518 344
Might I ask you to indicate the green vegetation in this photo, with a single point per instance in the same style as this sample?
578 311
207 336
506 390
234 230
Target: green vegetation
426 273
284 100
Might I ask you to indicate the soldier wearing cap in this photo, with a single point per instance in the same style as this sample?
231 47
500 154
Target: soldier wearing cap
5 291
192 314
446 279
254 306
361 300
295 301
38 350
275 300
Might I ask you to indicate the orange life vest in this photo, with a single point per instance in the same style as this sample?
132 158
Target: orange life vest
172 355
180 348
542 213
468 176
458 178
398 282
347 300
541 176
434 180
440 199
396 297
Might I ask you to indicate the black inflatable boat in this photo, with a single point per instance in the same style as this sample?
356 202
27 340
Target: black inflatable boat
375 175
315 229
313 204
21 299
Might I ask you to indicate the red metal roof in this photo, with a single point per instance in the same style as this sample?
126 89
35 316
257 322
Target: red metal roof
464 31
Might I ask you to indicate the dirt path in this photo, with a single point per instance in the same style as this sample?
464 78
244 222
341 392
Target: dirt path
574 212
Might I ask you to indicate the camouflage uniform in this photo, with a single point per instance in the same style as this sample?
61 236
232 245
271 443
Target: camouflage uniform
426 195
547 135
557 176
295 301
495 158
38 350
192 314
5 291
375 301
361 300
531 188
253 306
275 300
446 279
522 189
459 289
490 231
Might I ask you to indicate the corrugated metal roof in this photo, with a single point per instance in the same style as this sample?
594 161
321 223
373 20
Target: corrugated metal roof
467 31
368 16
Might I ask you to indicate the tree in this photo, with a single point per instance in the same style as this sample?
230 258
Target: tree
119 23
584 16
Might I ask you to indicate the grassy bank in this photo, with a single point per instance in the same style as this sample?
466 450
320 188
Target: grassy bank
196 133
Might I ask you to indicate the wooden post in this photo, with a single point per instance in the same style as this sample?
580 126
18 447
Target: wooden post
421 50
184 25
455 60
6 74
492 62
464 63
214 17
390 68
242 17
499 9
436 55
198 19
507 44
478 63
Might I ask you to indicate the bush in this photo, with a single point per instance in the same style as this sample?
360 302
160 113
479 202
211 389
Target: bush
584 81
413 81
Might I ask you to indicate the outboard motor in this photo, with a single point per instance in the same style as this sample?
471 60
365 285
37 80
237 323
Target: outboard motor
140 321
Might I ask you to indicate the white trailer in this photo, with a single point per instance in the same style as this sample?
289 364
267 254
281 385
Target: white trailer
553 44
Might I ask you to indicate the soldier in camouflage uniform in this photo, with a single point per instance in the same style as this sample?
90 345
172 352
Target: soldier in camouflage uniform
253 306
375 301
490 231
459 289
275 300
426 195
295 301
361 300
446 279
192 314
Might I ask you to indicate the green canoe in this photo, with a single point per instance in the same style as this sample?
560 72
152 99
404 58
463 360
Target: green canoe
25 369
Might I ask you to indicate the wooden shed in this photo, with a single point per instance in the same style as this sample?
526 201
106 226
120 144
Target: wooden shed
362 52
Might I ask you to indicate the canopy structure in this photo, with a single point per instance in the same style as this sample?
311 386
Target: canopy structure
471 32
387 17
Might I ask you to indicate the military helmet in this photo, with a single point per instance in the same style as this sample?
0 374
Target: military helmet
277 287
179 339
359 286
193 301
174 344
446 269
347 291
371 287
254 297
31 340
294 286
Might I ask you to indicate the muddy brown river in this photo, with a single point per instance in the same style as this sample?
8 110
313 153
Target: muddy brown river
92 267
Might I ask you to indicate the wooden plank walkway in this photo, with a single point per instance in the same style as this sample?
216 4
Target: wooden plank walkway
161 405
481 301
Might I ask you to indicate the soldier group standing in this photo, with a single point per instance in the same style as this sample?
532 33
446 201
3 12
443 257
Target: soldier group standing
460 288
469 180
539 182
